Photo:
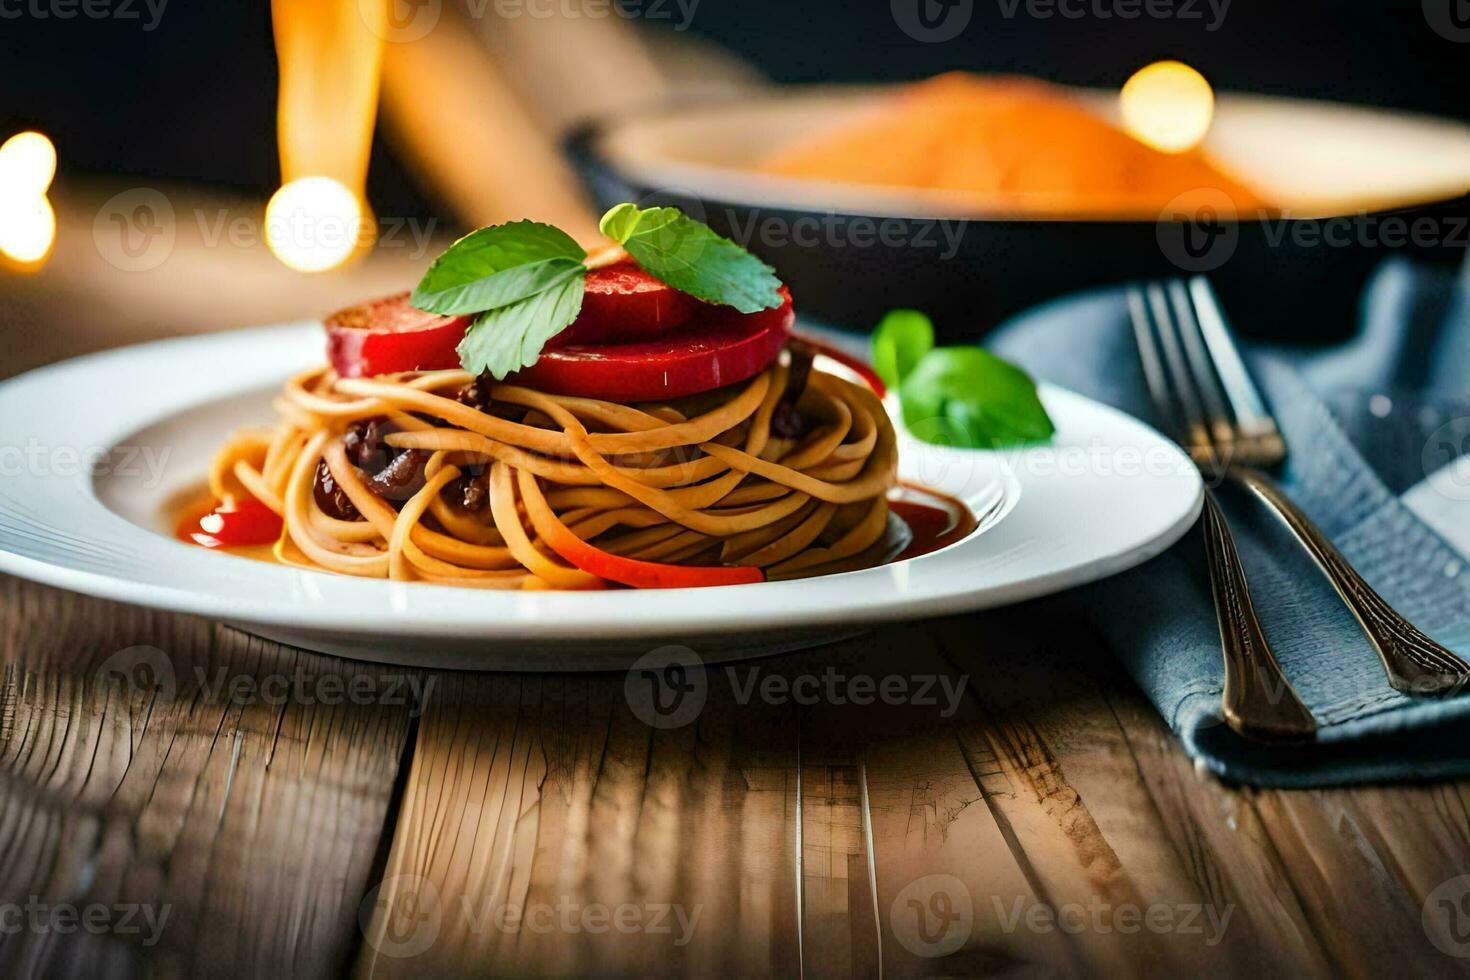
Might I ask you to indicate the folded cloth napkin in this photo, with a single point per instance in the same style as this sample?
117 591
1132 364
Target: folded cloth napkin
1375 428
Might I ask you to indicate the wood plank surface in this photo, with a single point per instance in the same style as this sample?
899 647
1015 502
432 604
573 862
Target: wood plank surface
1041 823
1009 807
546 829
215 800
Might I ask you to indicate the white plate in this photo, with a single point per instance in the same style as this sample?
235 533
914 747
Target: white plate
92 451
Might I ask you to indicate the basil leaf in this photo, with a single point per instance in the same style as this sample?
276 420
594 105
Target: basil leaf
902 338
620 222
511 337
497 266
687 255
968 397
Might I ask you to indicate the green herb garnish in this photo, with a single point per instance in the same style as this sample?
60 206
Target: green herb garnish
523 281
510 337
900 341
956 396
677 250
498 266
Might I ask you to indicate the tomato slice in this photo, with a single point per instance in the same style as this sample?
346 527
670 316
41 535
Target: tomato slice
624 304
653 342
722 347
243 522
388 336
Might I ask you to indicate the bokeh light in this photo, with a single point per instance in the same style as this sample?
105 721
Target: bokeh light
27 220
27 164
1168 105
314 224
27 229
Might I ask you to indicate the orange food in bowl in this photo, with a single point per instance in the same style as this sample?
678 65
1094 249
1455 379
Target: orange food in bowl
1010 146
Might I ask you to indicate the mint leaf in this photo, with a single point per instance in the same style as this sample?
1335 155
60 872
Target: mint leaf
968 397
955 396
902 338
510 337
620 222
497 266
687 255
524 281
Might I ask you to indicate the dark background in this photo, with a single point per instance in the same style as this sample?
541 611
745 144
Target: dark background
195 98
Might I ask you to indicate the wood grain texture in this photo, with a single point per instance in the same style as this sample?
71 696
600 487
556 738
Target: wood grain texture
963 797
216 799
546 829
1142 830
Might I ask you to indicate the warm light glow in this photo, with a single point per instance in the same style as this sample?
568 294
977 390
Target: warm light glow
27 229
314 224
329 54
27 164
330 61
1168 105
27 221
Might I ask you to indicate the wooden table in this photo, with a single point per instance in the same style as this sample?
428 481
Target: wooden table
179 798
283 813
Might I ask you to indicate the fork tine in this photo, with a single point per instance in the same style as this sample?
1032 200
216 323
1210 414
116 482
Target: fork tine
1153 366
1186 394
1252 419
1217 413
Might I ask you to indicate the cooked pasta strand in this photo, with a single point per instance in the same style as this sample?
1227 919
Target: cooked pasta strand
702 481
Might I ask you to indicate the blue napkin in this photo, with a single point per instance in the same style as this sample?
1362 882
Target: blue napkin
1368 424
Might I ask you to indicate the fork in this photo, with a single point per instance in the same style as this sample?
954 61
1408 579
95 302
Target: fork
1232 435
1258 701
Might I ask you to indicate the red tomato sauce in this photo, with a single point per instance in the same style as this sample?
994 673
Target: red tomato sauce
936 520
237 525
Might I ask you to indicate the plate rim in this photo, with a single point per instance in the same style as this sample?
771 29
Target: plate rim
532 617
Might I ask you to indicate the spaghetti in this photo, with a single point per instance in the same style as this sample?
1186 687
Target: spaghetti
501 486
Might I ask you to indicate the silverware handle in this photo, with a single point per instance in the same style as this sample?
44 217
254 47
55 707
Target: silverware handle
1258 702
1415 664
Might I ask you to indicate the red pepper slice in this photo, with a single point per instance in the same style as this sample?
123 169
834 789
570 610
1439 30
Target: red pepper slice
629 571
244 522
645 574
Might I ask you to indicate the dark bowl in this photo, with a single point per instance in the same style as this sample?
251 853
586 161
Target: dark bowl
1383 183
